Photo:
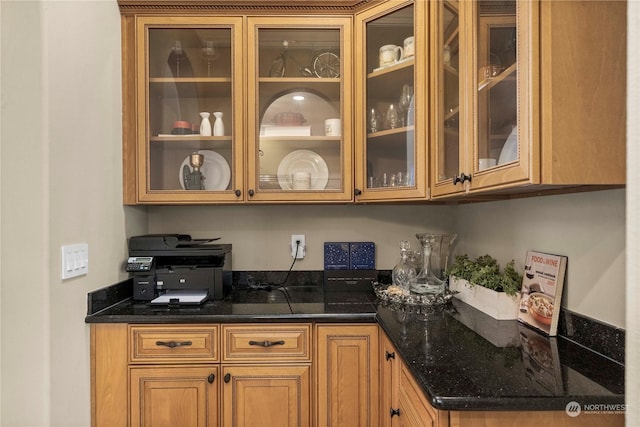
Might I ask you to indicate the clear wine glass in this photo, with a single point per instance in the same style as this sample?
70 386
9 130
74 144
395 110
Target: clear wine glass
209 54
178 54
404 103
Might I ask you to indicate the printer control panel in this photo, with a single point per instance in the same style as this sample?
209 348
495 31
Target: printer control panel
139 263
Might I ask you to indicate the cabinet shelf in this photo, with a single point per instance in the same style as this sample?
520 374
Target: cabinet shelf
390 132
190 138
505 76
301 138
406 65
190 80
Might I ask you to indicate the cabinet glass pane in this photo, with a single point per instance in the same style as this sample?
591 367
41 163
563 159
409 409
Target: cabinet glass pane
299 110
390 145
497 84
449 141
189 72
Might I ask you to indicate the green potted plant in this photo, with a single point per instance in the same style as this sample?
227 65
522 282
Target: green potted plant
482 284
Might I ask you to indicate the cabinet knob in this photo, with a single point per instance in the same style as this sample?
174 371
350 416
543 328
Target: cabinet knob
227 378
251 193
357 192
388 355
210 378
461 179
395 412
238 193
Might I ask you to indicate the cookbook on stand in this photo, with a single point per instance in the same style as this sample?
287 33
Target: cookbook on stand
541 292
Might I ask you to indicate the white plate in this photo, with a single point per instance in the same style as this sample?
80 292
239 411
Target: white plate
509 151
215 170
303 161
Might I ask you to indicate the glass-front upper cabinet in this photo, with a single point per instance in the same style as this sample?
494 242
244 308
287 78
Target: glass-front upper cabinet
445 99
391 93
478 95
300 138
496 91
189 111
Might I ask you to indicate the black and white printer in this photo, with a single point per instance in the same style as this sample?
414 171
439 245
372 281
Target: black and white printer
174 268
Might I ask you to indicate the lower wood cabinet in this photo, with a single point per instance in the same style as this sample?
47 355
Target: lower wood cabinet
266 375
413 408
266 396
346 365
272 375
174 396
402 402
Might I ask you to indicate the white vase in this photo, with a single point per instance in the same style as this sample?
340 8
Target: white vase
205 124
218 124
498 305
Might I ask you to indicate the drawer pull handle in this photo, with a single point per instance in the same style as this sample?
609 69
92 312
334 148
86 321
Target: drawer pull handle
266 343
173 344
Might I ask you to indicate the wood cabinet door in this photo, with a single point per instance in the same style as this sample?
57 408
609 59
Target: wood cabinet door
174 396
415 409
266 396
389 381
347 375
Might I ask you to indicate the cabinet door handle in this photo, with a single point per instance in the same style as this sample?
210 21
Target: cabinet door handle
461 179
238 193
395 412
251 193
357 192
210 378
173 344
266 343
227 378
391 355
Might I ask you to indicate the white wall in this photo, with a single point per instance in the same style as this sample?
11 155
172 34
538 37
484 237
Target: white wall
587 227
261 235
61 184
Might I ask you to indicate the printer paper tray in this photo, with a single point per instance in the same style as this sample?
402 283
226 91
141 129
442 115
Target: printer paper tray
182 297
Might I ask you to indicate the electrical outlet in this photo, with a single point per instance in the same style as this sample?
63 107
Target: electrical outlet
301 248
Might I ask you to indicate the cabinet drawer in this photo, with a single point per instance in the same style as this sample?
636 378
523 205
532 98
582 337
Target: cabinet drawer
278 343
173 344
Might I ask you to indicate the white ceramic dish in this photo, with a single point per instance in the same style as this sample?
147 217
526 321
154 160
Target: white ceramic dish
509 151
303 161
215 170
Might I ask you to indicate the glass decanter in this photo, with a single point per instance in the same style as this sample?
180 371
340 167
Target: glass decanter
435 250
403 272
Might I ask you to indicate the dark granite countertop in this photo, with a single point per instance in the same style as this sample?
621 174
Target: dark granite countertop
462 358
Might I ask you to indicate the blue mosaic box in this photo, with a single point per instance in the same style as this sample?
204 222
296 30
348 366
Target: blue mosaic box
362 256
336 255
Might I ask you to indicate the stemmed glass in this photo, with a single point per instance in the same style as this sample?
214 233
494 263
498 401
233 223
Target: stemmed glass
405 103
178 54
209 54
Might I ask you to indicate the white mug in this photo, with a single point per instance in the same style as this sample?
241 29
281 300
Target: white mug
486 163
409 47
390 53
301 180
332 127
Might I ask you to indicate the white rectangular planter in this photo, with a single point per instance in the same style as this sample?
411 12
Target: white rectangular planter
496 304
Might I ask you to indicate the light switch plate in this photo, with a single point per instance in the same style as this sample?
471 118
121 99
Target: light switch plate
75 260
